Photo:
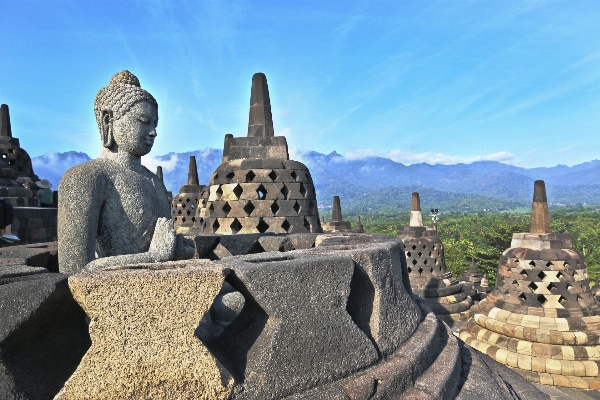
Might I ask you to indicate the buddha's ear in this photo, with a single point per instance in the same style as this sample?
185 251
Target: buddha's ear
106 130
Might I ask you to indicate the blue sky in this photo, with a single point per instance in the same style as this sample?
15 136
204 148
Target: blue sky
418 81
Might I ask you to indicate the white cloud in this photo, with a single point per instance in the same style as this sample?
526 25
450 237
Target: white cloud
167 165
407 157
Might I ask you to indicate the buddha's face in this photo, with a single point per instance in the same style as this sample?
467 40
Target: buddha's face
135 131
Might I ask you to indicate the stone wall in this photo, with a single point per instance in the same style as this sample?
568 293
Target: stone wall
34 225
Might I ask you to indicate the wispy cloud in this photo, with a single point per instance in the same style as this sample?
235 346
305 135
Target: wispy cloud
407 157
168 165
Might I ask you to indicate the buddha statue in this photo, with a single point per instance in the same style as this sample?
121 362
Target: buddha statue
113 210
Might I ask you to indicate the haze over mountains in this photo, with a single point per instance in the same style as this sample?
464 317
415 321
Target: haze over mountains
380 184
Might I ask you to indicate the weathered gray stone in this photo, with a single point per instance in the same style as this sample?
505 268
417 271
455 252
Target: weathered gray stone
280 345
113 205
43 336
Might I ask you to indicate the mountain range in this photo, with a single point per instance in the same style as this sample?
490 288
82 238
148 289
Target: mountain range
381 184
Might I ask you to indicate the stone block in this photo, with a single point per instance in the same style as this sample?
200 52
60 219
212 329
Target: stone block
43 336
291 337
280 152
276 224
143 328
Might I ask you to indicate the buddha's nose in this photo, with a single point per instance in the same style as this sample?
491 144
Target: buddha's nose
152 132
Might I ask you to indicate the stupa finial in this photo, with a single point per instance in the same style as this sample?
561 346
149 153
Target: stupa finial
540 217
159 173
192 172
336 210
260 122
416 218
5 129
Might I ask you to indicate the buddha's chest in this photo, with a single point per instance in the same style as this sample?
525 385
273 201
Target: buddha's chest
137 199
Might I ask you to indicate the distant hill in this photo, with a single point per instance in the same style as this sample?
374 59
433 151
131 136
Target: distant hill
383 185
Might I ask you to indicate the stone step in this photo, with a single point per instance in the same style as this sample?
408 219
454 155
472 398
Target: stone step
441 379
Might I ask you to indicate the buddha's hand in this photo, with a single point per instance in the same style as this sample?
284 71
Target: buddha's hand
185 248
162 247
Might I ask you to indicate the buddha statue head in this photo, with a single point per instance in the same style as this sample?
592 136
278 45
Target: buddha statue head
127 115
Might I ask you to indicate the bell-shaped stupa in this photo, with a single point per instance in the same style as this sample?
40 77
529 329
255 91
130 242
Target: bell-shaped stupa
258 188
427 271
541 319
477 280
186 204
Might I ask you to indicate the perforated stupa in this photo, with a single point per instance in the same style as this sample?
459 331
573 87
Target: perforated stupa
258 188
427 271
541 319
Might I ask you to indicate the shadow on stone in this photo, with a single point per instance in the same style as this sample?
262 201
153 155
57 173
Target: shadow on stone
360 302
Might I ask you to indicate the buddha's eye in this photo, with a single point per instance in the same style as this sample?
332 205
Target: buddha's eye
144 120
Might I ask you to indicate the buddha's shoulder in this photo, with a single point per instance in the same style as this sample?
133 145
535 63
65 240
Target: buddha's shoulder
87 172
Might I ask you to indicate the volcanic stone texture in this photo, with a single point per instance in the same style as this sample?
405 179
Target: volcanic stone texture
261 196
143 320
541 318
43 333
429 277
34 225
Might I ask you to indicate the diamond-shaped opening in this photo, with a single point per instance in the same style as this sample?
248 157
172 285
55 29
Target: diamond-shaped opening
516 260
284 192
549 264
302 190
187 200
274 208
248 208
294 175
179 212
566 265
306 224
286 225
414 247
235 226
250 176
562 300
532 263
541 298
182 219
230 175
296 207
216 176
430 269
541 275
522 297
226 208
262 226
437 261
425 262
183 205
414 262
216 225
188 212
551 286
515 283
193 219
559 274
211 207
273 175
424 246
262 192
434 247
408 254
524 273
420 270
238 190
409 270
219 192
532 286
419 254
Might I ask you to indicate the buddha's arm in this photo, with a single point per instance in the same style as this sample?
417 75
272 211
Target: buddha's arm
80 197
162 248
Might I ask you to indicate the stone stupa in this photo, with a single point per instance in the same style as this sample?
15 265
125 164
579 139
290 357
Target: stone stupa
159 173
15 164
427 271
541 319
337 223
477 280
186 204
258 189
